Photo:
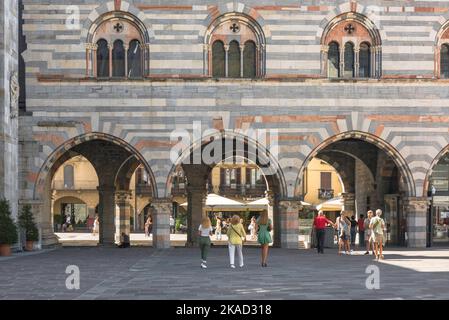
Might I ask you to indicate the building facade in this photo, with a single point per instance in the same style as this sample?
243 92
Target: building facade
359 84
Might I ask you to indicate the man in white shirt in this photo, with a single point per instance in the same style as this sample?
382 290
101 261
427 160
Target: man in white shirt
172 224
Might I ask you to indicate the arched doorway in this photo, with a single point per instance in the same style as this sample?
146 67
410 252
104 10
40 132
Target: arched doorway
374 176
229 155
438 191
114 162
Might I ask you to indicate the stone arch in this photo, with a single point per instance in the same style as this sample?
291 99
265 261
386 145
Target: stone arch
394 154
111 8
435 161
249 31
274 170
441 39
63 153
331 30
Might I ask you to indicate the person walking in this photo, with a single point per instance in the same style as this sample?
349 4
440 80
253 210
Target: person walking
368 231
252 228
148 226
218 229
343 226
236 236
96 227
204 233
377 225
264 226
353 230
319 223
361 229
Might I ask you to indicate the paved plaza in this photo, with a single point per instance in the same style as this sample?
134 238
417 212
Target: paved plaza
147 273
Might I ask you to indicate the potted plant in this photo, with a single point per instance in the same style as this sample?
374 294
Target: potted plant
8 229
26 221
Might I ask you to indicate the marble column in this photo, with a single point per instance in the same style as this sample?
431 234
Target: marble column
123 216
196 197
415 211
106 213
289 223
163 209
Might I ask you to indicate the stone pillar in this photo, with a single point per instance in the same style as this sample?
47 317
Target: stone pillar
357 63
349 203
163 208
289 224
94 60
106 214
415 211
126 47
88 47
123 217
110 47
196 198
226 47
242 48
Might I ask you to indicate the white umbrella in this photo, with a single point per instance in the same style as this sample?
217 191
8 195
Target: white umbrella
214 202
335 204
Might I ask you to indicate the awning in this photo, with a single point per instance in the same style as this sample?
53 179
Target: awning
335 204
214 202
262 203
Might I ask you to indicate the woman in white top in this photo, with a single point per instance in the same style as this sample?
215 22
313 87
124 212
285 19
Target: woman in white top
96 226
218 229
204 233
252 228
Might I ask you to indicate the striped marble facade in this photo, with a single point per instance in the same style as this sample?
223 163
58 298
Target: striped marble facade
405 112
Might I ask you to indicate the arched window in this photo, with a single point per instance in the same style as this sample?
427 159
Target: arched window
234 60
359 46
249 60
117 46
218 59
444 61
365 60
118 59
102 59
69 177
349 60
234 47
134 60
334 60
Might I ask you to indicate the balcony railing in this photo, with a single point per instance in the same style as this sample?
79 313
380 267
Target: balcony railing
79 185
325 194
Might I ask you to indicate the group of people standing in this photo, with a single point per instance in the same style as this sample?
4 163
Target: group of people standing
371 231
236 237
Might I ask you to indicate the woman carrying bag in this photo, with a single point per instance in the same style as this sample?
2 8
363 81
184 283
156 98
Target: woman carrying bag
236 236
263 228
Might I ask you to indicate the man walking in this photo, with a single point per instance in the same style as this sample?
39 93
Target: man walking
172 224
319 224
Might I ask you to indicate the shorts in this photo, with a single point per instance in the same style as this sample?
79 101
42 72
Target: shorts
367 235
344 237
378 237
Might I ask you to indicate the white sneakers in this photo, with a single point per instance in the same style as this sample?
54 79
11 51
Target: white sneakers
232 266
203 265
241 266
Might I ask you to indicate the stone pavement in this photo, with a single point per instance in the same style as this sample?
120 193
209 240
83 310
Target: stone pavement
146 273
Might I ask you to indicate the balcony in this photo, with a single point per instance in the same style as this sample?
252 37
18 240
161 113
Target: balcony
143 189
325 194
59 185
179 189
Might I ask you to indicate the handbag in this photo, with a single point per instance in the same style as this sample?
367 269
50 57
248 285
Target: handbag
242 237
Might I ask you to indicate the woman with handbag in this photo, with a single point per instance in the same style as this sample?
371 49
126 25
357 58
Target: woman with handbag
264 227
236 236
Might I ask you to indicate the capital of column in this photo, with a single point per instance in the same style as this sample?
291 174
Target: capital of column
206 47
226 47
126 47
162 205
110 46
325 48
290 205
123 195
242 48
416 204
